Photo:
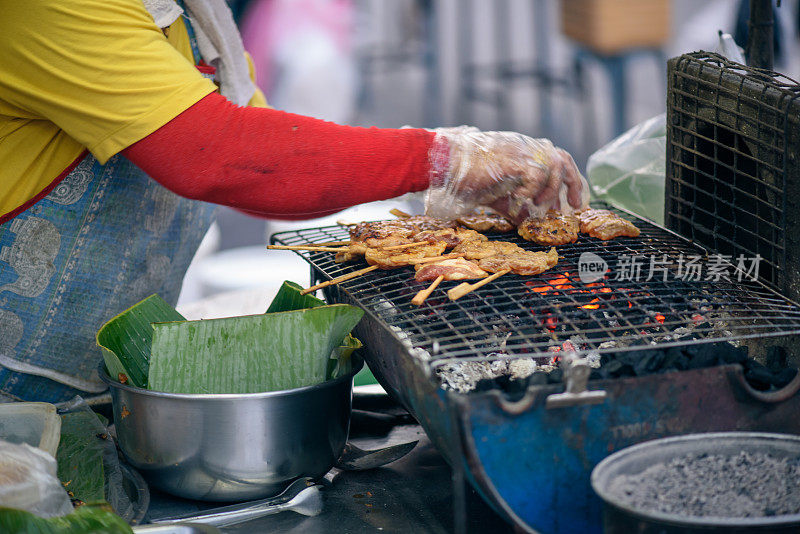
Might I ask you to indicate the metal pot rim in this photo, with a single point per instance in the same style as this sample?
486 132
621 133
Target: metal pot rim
598 481
357 364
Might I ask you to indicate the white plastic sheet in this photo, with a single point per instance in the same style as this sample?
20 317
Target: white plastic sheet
28 481
630 171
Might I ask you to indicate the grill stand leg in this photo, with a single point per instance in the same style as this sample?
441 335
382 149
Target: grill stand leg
459 499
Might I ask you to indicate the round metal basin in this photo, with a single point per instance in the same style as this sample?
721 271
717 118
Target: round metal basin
620 517
232 447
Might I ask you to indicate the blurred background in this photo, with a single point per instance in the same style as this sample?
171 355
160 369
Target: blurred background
580 72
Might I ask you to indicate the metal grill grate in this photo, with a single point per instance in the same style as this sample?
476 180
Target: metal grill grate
732 136
518 316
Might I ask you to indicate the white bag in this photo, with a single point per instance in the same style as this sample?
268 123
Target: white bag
28 481
630 171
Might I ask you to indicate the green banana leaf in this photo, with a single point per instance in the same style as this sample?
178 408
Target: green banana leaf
289 298
80 456
126 339
95 518
249 354
341 363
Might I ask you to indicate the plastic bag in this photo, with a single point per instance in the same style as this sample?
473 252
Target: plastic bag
28 481
630 171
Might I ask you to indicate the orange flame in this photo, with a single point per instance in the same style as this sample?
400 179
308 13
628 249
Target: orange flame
591 305
660 318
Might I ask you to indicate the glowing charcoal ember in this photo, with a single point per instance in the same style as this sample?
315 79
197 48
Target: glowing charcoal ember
593 304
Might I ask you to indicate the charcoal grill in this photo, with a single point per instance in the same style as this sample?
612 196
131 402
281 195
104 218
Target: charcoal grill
533 463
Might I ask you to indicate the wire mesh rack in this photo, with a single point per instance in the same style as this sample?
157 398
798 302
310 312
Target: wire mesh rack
731 133
659 290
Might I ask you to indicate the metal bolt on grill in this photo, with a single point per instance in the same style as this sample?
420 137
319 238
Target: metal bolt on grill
516 316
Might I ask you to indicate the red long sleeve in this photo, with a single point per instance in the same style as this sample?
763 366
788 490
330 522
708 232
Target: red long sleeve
278 164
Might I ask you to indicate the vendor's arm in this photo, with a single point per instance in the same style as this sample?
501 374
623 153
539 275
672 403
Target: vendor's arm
280 164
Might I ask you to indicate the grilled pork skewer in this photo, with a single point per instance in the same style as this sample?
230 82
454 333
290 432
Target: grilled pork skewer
451 269
475 250
481 221
451 237
454 269
395 235
392 259
524 263
406 245
384 262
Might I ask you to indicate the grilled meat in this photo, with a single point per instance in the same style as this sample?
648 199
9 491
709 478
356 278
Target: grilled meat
395 232
553 229
525 263
475 250
346 255
381 234
391 259
455 269
421 223
605 225
486 222
450 236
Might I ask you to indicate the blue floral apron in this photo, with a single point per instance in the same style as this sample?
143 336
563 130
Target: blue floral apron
104 238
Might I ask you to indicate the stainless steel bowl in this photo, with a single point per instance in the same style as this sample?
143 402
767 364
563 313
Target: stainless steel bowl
232 447
620 517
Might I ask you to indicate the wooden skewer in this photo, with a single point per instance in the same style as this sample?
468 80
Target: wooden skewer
435 258
420 297
405 245
332 244
462 289
339 279
308 247
399 213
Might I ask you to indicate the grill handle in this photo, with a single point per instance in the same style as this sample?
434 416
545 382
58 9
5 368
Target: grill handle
772 397
576 375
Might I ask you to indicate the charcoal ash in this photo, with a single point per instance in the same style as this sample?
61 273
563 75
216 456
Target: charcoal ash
465 377
747 484
468 376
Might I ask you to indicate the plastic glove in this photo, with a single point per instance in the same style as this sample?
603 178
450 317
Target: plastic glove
514 174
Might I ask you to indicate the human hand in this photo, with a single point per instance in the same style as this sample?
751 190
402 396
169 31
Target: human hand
514 174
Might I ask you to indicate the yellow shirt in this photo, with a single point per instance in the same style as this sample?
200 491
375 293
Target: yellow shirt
77 74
